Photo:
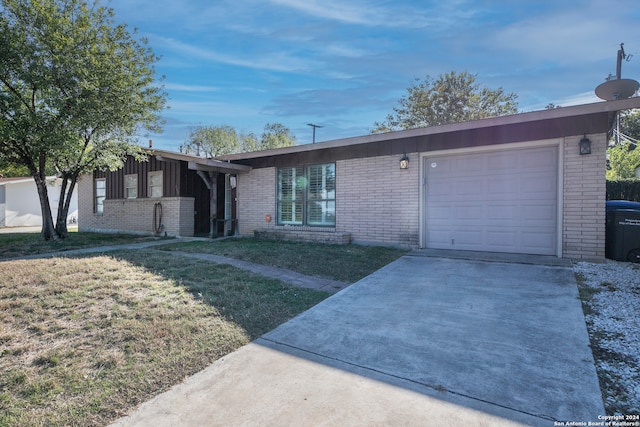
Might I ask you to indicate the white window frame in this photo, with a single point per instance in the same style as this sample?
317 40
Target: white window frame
131 186
297 204
99 195
151 186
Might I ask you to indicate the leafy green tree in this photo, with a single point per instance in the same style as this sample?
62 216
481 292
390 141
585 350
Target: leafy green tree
9 170
212 141
75 89
451 98
249 142
623 156
276 135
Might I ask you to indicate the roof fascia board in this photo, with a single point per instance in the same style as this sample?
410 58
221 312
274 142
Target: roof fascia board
564 112
202 163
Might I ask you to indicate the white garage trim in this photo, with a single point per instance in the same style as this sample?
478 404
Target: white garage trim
553 248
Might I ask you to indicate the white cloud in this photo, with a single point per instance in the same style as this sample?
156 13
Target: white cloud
190 88
579 99
370 14
272 61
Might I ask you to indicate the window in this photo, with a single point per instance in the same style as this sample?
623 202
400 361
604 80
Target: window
155 184
131 186
100 192
307 195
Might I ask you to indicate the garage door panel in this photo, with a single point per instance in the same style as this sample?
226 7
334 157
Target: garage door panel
468 237
440 189
502 185
471 165
501 162
501 201
540 160
532 184
538 240
469 212
439 238
502 212
500 239
468 187
538 212
440 213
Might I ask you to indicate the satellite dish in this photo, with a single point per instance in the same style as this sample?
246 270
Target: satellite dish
617 89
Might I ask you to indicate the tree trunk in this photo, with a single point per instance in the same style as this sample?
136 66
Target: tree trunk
48 232
63 206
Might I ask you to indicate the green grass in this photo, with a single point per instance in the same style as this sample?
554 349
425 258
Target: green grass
85 339
14 245
346 263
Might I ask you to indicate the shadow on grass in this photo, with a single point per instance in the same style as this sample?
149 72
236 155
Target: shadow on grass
85 339
13 245
255 303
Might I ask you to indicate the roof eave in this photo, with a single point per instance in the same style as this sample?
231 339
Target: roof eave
578 110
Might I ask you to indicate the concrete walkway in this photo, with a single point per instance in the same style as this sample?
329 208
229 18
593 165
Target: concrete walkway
423 341
287 276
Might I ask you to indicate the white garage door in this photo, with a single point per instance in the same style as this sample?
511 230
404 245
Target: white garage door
502 201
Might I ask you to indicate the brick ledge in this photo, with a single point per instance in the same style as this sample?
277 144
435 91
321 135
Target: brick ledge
321 236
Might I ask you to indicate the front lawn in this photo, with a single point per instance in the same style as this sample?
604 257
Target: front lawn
83 340
14 245
346 263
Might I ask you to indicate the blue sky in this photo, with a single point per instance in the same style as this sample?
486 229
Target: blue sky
344 64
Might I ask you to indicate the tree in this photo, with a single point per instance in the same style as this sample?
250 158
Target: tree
212 141
8 169
75 89
249 142
623 155
451 98
276 135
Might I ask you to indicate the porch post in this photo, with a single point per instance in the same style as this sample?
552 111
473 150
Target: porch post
211 181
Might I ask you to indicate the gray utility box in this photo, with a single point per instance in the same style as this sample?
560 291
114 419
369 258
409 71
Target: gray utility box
623 235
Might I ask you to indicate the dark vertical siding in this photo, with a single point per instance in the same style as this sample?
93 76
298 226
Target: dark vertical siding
170 177
177 181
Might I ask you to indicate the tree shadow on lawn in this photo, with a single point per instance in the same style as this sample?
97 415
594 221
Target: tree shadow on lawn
255 303
87 338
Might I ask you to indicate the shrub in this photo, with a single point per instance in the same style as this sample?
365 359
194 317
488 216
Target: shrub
624 189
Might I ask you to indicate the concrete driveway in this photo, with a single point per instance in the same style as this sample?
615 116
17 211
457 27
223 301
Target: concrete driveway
423 341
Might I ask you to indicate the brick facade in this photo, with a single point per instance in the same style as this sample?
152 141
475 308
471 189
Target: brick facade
584 198
376 202
256 194
134 215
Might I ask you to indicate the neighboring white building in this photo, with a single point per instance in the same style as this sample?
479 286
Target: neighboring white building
20 204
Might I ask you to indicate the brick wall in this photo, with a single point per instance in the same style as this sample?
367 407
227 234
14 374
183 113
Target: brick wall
134 215
583 223
256 194
376 201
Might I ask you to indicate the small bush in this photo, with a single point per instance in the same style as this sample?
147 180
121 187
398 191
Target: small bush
624 189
